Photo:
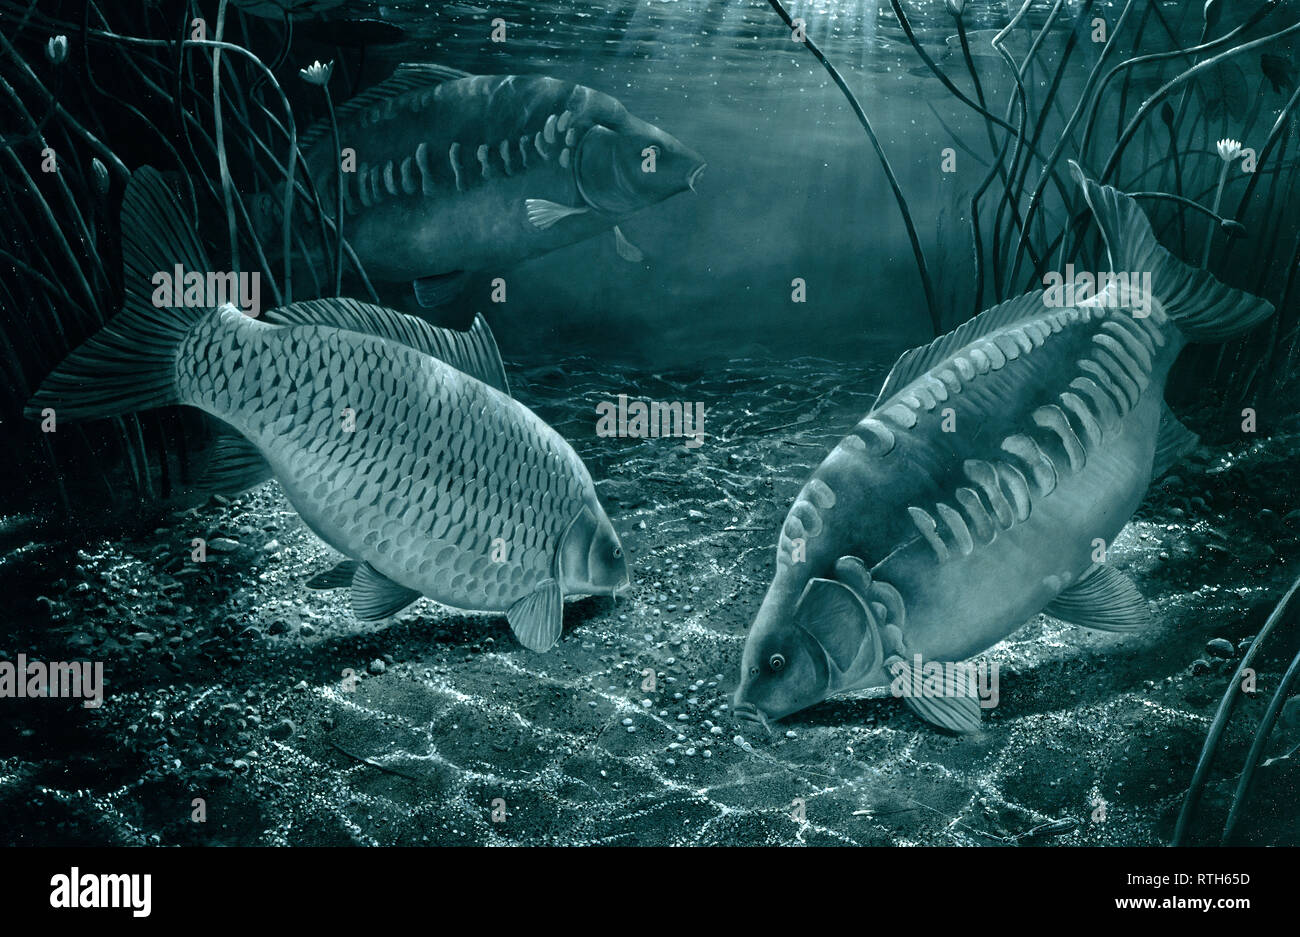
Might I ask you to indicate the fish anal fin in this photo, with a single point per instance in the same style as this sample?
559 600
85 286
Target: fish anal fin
952 705
439 288
626 249
375 596
236 465
538 618
335 577
1173 441
1103 598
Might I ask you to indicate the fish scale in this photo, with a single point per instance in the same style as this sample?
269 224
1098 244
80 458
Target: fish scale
318 456
984 486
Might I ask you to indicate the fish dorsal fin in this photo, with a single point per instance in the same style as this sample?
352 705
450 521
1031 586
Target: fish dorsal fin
375 596
405 77
236 465
1173 441
916 362
473 351
1103 598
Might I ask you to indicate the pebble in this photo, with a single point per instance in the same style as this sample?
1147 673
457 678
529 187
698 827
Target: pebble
377 666
282 729
1220 647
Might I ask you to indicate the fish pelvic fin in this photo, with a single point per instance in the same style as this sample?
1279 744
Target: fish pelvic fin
438 289
538 618
375 596
946 698
130 364
1104 599
1204 309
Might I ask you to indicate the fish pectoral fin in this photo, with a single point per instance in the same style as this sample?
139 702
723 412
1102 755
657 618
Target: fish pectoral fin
335 578
375 596
542 214
836 619
1173 441
626 249
440 288
952 704
1103 598
236 465
538 618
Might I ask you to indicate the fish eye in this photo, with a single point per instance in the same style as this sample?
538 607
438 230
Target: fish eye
753 671
618 552
776 661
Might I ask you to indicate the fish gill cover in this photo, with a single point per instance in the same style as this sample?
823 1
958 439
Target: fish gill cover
410 441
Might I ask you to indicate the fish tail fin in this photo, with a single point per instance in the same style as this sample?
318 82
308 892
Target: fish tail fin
130 364
1204 309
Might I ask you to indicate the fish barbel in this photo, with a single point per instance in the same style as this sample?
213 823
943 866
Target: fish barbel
984 486
398 443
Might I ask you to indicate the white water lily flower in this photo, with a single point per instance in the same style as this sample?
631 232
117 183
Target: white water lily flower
316 73
1229 150
56 50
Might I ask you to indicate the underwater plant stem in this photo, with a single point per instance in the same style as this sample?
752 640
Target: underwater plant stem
338 195
220 133
1257 747
1150 103
1230 696
1218 200
930 64
926 284
1049 168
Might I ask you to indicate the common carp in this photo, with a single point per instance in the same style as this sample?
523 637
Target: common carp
983 487
457 173
398 443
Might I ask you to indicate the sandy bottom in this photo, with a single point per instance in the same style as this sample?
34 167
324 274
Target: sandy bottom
230 683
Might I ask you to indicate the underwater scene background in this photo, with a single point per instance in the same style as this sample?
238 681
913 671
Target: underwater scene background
877 174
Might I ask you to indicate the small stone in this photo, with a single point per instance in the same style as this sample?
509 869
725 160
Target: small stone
790 734
1220 647
282 729
377 666
1200 666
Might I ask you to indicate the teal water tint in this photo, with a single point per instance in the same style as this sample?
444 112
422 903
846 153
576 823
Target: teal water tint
792 189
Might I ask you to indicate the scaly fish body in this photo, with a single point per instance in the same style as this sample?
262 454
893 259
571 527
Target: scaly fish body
438 468
985 486
398 443
457 174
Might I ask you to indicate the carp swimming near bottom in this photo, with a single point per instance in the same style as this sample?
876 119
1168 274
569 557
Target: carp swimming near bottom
977 490
398 443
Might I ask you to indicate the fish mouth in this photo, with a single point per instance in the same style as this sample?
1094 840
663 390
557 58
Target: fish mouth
748 712
695 175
